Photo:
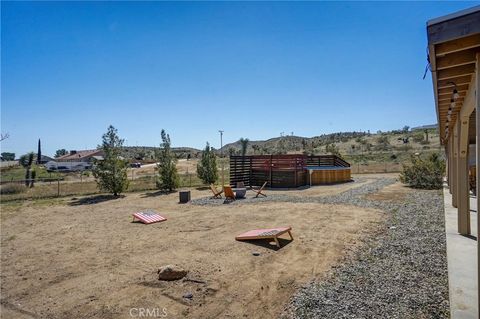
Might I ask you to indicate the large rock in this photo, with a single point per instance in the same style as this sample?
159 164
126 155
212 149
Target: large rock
171 272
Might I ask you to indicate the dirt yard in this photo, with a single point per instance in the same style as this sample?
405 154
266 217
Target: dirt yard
84 258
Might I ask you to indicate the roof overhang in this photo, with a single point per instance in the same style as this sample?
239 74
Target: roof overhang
453 42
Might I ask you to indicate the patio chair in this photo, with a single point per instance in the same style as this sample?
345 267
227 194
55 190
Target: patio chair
472 179
229 194
260 190
216 193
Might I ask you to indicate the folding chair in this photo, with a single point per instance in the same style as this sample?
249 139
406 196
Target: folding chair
229 194
260 190
216 194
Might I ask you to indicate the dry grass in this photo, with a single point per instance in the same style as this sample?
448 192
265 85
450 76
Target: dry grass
72 258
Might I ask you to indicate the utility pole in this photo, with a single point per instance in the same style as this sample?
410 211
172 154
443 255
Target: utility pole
221 156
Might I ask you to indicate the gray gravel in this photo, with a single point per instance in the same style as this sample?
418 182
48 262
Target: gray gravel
400 272
371 187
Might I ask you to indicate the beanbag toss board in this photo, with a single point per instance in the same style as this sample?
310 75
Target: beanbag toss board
267 233
148 217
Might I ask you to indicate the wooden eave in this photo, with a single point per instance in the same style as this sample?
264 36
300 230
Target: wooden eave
453 42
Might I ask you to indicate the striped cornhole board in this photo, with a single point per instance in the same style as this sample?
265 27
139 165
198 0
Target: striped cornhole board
148 217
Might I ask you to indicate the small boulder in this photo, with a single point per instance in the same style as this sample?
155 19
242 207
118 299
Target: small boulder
171 272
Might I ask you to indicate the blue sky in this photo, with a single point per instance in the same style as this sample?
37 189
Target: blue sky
253 69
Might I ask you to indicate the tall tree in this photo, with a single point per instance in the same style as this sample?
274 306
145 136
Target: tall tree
207 168
39 152
26 161
111 172
7 156
244 144
167 165
60 152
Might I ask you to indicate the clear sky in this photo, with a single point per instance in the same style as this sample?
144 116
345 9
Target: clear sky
253 69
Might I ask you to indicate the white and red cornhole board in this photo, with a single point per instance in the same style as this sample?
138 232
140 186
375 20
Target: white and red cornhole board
267 233
148 217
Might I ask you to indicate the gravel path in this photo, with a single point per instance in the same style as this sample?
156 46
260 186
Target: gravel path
400 272
352 194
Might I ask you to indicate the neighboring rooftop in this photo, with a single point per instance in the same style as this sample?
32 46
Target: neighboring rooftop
424 127
78 155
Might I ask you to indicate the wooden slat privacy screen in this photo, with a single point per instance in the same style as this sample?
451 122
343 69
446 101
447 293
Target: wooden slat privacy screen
278 170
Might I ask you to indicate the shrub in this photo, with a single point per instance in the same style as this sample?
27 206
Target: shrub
404 147
383 143
425 173
418 137
12 189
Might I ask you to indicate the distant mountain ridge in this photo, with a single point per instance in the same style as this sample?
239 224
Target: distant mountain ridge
344 142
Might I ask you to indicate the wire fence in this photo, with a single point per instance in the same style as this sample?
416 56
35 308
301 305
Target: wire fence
376 167
51 187
20 189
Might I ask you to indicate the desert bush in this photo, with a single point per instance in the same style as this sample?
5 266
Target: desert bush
383 143
12 189
332 149
404 147
418 137
425 173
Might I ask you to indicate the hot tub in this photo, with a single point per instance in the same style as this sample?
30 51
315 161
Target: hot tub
318 175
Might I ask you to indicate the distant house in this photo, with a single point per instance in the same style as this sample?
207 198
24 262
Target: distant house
45 159
81 156
424 127
53 166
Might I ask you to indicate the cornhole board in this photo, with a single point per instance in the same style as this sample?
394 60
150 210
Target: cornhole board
267 233
148 217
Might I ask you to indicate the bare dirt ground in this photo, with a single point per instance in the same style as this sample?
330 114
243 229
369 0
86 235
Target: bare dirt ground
84 258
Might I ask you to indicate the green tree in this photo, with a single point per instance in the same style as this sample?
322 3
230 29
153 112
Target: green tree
26 161
60 152
244 145
167 166
111 172
207 167
7 156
